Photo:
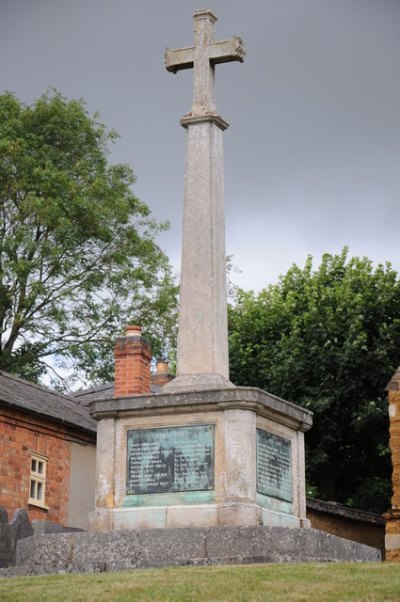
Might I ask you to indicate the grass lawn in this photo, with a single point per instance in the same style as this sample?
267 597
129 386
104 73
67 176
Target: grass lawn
271 582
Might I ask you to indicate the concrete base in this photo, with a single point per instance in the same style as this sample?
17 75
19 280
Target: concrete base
97 552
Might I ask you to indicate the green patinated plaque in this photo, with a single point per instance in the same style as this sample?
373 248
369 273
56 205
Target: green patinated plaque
170 459
274 466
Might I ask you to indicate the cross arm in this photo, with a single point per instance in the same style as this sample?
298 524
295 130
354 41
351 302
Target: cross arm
179 58
227 50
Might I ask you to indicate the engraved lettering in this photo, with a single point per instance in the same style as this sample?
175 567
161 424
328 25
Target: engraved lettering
274 471
170 459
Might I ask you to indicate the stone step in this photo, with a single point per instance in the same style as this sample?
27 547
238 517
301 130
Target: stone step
121 550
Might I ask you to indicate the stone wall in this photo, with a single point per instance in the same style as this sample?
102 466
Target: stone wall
362 527
82 484
392 539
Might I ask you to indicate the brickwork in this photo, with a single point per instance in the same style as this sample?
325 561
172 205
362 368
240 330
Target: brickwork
132 364
21 435
161 376
393 515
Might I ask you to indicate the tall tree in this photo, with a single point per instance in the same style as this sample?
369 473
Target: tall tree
78 257
329 340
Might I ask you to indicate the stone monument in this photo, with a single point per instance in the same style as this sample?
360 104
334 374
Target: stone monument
221 464
201 452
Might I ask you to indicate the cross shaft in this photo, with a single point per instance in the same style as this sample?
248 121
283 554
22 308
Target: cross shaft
202 353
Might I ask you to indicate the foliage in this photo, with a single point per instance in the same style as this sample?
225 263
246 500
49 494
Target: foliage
78 259
329 340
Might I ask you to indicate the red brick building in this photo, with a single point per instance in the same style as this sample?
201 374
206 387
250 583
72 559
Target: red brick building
47 453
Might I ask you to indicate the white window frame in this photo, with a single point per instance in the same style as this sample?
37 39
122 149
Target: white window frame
37 481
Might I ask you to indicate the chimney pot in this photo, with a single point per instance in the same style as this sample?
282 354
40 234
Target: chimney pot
133 331
162 367
161 376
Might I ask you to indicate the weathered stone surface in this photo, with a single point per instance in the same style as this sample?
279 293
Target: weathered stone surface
264 403
45 527
10 532
234 415
92 552
5 538
202 355
392 539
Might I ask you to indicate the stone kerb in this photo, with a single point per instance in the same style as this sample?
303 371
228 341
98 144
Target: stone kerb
98 552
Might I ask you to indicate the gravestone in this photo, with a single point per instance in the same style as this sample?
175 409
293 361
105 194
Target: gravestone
11 532
202 452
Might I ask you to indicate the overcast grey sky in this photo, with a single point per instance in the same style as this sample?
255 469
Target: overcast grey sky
312 154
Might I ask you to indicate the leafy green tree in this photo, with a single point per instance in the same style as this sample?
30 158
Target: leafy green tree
78 258
329 340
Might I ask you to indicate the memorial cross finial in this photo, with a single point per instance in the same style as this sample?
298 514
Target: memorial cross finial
203 57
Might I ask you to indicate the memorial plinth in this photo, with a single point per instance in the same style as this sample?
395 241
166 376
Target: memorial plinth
200 459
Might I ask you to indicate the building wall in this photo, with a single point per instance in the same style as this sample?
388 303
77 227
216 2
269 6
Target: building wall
371 534
82 484
21 435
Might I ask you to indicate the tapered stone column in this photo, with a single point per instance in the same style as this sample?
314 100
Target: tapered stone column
202 360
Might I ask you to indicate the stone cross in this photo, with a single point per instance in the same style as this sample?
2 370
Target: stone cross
202 357
203 57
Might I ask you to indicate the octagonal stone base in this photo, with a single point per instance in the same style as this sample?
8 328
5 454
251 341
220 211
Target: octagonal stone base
234 498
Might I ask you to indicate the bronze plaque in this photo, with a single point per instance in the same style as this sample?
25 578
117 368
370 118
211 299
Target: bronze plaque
170 459
274 466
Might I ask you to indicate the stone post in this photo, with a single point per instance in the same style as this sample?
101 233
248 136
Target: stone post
392 538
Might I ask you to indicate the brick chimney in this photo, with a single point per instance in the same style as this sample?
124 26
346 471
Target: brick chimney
132 363
161 376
